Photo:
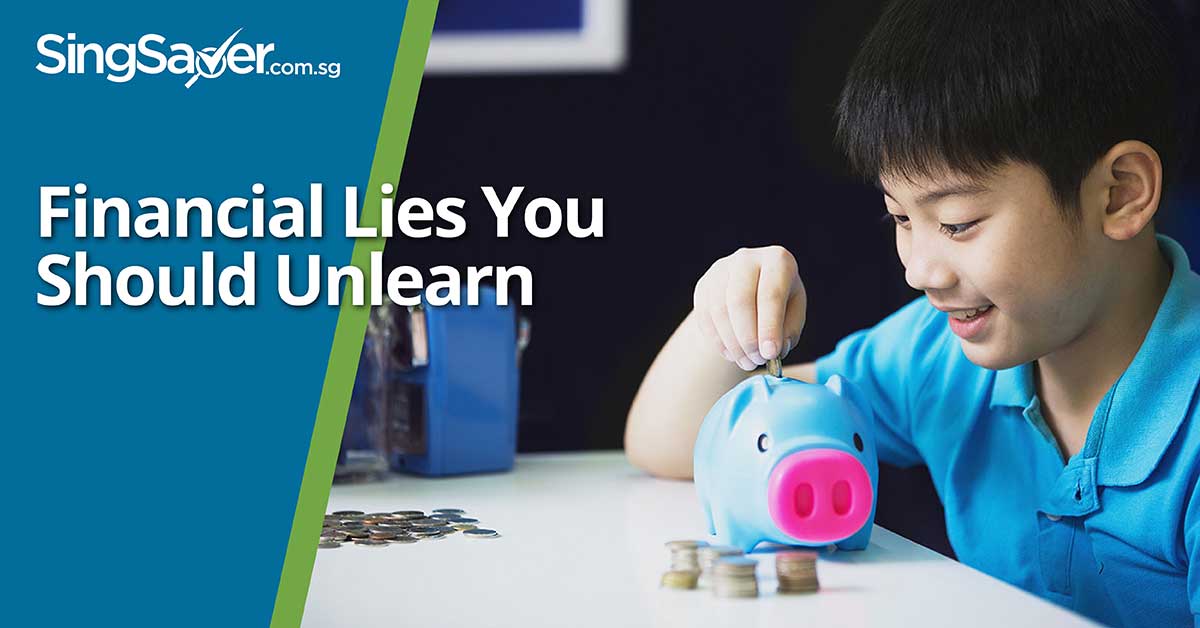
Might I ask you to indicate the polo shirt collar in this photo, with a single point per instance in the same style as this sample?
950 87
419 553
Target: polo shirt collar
1141 413
1013 387
1151 399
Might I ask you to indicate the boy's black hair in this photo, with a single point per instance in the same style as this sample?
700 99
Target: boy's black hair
967 85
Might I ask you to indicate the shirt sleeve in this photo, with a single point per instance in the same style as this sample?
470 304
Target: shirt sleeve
888 363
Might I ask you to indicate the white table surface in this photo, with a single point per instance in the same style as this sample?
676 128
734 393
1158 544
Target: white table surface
581 544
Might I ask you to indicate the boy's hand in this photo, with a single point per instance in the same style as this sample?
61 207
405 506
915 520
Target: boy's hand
752 305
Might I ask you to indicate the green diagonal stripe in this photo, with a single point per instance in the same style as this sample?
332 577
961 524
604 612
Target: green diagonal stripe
390 147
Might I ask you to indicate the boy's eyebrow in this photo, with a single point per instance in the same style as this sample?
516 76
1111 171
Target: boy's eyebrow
933 196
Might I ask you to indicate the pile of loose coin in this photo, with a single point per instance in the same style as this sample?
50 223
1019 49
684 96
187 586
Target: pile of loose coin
729 573
380 529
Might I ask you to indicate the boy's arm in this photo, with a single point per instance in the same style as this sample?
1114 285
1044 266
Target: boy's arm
685 380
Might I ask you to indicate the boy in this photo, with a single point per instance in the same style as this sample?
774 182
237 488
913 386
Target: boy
1048 375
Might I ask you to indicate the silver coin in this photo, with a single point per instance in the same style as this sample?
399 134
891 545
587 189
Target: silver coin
344 513
480 533
433 537
463 520
372 543
775 367
404 539
421 534
328 544
457 511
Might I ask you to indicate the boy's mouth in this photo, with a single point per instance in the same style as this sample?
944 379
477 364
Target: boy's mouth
969 323
966 315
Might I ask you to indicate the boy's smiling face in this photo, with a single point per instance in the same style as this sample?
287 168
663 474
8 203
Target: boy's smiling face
1000 241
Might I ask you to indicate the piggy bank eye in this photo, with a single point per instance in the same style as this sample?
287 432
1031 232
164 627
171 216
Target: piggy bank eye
858 442
763 442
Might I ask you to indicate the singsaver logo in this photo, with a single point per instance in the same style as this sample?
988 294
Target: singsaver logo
121 62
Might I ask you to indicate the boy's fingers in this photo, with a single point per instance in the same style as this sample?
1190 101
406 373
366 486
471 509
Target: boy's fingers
794 318
772 301
733 350
741 299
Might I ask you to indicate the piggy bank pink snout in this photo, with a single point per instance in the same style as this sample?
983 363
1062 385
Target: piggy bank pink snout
819 495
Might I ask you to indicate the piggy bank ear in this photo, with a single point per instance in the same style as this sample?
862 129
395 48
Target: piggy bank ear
843 388
744 394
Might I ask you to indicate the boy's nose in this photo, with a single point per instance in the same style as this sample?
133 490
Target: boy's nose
925 271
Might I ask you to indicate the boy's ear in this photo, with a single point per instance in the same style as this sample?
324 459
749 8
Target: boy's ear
1131 173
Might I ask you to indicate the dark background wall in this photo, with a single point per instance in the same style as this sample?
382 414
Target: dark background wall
716 135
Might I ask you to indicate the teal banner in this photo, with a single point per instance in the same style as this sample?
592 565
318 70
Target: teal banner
163 167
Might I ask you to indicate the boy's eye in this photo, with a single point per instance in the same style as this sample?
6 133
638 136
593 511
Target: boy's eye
958 229
951 230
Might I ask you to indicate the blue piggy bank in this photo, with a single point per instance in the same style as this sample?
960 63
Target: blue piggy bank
782 460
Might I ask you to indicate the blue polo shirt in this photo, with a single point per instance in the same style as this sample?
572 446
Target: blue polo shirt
1113 532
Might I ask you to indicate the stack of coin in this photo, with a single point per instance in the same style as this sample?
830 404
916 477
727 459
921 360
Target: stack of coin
685 570
797 571
734 576
380 529
708 554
